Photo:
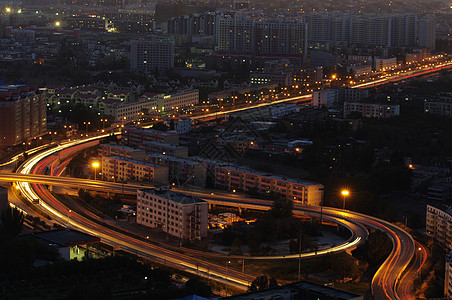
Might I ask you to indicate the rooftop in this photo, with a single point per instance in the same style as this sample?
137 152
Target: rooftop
259 173
66 237
134 161
122 147
185 161
165 145
173 196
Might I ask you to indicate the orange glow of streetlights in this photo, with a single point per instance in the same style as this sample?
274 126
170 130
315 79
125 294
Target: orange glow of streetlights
95 165
345 193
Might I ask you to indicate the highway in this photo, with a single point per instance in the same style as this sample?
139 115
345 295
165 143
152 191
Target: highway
383 284
372 83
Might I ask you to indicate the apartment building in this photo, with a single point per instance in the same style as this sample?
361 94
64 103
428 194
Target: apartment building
177 100
137 136
123 151
236 178
448 277
439 106
128 110
23 114
439 224
165 149
147 56
243 34
182 126
123 169
181 170
176 214
371 110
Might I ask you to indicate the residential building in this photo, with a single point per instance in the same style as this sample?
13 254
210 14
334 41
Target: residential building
304 192
439 224
448 277
181 170
87 23
136 136
385 64
203 24
439 106
123 169
165 149
128 111
176 214
242 34
70 243
177 100
350 94
371 110
148 56
23 114
325 98
182 126
427 32
120 150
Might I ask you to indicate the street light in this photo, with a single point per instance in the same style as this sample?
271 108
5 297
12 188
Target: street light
345 194
95 166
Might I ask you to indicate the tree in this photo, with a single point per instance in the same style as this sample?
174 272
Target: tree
11 221
259 284
281 207
198 287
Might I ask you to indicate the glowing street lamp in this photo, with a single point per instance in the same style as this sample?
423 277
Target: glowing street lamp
345 194
95 166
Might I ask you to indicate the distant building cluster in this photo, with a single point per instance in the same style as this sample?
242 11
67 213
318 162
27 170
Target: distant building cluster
376 30
123 103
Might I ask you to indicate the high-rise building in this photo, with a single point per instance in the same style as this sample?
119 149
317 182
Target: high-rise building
23 114
245 35
427 32
236 34
194 25
404 30
147 56
383 30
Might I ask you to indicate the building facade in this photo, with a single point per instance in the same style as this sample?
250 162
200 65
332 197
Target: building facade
176 214
439 224
119 150
122 169
371 110
147 56
177 100
181 170
235 178
136 136
165 149
23 114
